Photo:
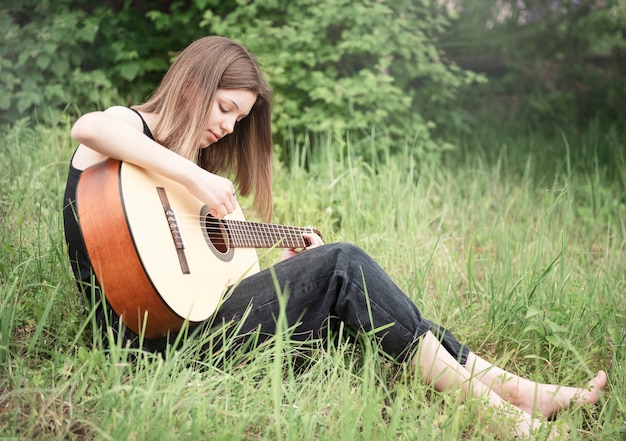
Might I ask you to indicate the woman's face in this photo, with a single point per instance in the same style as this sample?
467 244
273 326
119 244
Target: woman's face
229 107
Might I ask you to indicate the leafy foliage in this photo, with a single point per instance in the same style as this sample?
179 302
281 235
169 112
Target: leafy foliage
335 65
340 65
70 52
42 54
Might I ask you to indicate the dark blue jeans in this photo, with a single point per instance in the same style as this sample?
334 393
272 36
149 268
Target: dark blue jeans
324 286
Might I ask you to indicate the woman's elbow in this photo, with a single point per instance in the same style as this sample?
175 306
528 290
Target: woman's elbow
84 128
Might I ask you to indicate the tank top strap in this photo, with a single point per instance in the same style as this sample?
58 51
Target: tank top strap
146 129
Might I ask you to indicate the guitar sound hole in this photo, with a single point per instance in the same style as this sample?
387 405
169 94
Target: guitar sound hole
216 235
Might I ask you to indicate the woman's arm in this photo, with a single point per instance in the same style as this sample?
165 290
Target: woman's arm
118 133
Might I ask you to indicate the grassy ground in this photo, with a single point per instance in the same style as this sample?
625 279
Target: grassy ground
514 244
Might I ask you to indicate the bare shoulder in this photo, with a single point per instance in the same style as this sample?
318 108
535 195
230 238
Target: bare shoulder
125 114
95 132
93 121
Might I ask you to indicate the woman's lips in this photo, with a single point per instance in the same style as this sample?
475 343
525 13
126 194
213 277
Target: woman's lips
214 137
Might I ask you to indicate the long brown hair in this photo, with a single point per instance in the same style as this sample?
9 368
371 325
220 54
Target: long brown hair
184 99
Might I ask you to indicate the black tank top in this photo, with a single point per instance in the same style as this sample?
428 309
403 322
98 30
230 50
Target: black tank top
77 252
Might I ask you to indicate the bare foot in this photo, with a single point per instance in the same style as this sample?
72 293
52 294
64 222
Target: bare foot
526 427
550 398
530 428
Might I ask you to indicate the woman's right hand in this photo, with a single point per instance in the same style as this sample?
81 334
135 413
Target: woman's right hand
111 132
216 192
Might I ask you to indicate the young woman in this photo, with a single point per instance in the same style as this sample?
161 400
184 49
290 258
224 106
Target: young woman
211 116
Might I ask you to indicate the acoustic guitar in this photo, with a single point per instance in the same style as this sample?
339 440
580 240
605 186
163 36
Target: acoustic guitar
156 251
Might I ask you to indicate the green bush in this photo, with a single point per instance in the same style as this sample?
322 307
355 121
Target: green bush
341 65
42 52
72 52
336 66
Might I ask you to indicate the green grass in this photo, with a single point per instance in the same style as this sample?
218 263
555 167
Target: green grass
517 246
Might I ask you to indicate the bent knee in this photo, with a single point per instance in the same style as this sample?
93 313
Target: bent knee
353 255
349 249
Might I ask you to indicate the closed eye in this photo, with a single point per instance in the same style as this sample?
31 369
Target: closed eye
230 110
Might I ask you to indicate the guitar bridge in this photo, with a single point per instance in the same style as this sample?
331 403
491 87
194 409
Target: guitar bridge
177 236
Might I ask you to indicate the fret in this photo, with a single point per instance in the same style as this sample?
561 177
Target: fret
295 240
285 235
284 239
254 234
278 236
241 233
233 236
271 231
239 236
245 236
265 236
289 237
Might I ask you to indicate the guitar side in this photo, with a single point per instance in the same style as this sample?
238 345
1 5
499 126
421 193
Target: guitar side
130 242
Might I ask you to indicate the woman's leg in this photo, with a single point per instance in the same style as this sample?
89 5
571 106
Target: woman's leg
336 281
479 378
444 372
530 396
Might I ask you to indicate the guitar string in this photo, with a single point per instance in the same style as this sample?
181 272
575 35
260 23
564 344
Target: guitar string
245 225
282 242
243 233
247 242
252 230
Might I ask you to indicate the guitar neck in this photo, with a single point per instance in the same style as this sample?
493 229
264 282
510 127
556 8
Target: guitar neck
244 234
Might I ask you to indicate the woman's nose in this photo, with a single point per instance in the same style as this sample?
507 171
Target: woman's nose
228 125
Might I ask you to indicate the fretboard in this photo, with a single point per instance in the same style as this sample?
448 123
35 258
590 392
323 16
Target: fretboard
259 235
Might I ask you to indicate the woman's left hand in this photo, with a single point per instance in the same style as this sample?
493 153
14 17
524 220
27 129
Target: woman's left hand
314 241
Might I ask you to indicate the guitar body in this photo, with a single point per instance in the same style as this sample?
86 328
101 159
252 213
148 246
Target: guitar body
155 256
